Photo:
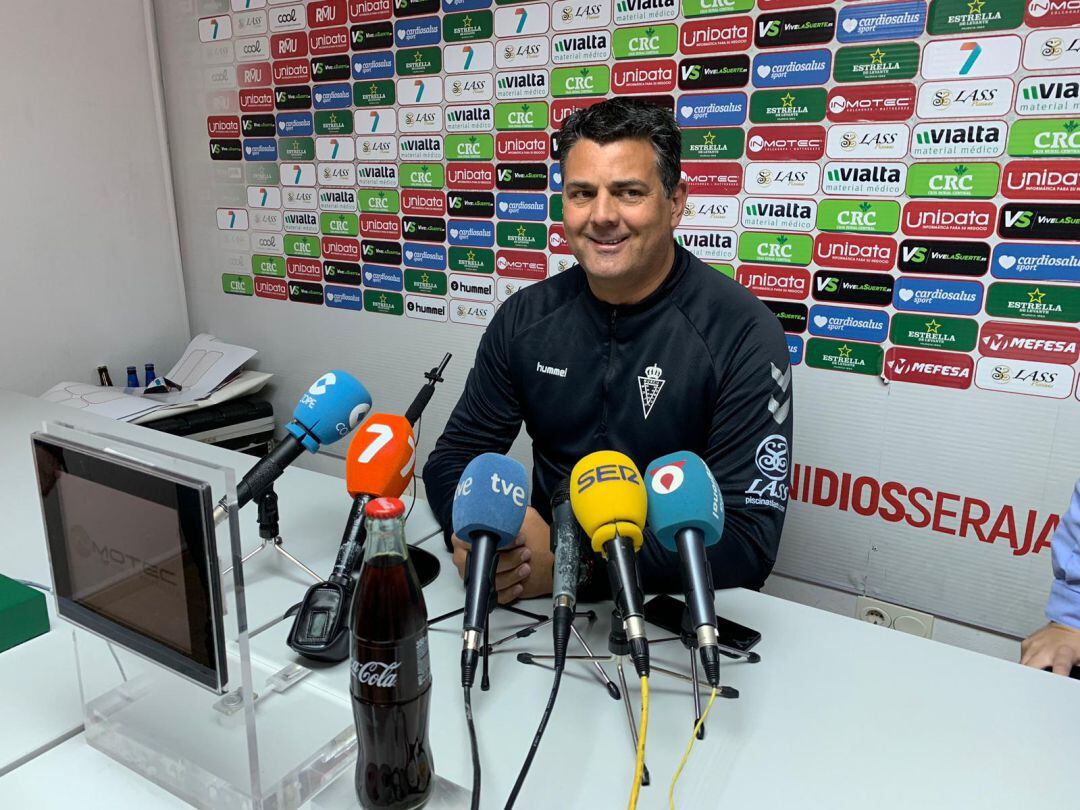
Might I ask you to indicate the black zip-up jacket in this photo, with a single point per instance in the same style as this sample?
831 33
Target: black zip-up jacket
699 365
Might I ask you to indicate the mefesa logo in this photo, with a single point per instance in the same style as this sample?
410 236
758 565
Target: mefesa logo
713 177
722 35
786 143
928 367
849 251
375 226
1040 179
972 220
423 202
1029 341
527 264
792 283
877 102
521 145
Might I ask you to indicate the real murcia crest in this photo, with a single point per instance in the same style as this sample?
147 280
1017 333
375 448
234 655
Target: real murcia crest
649 387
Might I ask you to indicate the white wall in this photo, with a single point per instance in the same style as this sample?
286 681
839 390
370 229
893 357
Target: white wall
91 264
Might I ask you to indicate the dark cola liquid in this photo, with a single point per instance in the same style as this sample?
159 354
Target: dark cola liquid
390 683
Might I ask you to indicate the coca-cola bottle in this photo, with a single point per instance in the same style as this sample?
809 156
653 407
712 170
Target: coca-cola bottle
390 679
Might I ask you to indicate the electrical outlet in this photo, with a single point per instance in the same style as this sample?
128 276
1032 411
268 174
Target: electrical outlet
897 617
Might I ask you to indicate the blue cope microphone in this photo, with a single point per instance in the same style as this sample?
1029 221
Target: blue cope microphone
686 514
333 405
489 508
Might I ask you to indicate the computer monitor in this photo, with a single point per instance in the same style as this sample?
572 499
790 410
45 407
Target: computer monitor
133 556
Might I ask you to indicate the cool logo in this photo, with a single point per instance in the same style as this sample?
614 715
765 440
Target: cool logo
606 472
498 485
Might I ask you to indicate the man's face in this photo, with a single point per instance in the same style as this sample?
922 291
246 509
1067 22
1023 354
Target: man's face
618 221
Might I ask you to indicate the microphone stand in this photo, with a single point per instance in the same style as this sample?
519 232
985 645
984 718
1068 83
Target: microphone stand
270 535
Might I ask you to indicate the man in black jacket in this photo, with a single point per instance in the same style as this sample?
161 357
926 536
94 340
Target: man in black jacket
640 348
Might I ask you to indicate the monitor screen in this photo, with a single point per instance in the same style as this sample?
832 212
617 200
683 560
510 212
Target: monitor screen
133 556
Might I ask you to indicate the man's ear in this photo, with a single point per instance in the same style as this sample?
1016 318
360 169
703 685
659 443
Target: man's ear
678 203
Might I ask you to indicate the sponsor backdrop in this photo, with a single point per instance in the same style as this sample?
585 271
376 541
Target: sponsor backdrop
897 181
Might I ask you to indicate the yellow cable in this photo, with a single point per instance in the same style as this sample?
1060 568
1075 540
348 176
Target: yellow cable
639 766
686 756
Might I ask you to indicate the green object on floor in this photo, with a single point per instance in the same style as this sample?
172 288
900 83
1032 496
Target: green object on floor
23 614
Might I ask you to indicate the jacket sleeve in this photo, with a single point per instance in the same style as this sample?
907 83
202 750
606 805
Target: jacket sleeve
749 447
1064 604
486 419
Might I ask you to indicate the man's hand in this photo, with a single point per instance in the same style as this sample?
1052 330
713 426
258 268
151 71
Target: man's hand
1055 645
525 567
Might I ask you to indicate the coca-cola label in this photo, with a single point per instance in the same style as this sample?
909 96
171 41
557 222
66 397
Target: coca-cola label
393 672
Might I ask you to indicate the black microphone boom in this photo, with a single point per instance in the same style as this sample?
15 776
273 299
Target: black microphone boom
698 587
479 581
265 472
626 591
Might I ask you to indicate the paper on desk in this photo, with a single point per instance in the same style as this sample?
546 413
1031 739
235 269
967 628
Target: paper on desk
206 363
244 383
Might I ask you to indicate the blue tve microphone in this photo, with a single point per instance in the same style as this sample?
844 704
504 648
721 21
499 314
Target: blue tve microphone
686 514
333 405
489 508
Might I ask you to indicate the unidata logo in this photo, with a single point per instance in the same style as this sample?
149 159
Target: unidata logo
936 295
716 36
791 283
712 110
644 76
1018 261
881 21
291 71
855 251
845 323
1040 179
792 68
956 220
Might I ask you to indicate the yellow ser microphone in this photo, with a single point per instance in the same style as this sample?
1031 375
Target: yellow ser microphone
608 497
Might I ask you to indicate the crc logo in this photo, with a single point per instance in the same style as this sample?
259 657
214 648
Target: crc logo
771 457
605 473
667 479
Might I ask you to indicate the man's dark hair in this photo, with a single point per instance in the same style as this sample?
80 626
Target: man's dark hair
617 119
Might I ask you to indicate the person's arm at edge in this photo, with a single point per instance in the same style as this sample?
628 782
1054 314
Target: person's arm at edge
1057 645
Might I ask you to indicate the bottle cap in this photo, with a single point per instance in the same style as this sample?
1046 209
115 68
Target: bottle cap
383 508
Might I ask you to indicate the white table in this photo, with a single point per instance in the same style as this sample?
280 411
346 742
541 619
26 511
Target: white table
839 714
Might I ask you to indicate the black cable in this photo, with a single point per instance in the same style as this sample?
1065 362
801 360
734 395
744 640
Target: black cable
416 449
475 751
536 740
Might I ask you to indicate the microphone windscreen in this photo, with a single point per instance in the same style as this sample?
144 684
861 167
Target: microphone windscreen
381 457
608 497
491 497
333 405
683 494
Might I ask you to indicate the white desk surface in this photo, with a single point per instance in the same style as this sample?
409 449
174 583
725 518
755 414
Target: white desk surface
839 714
